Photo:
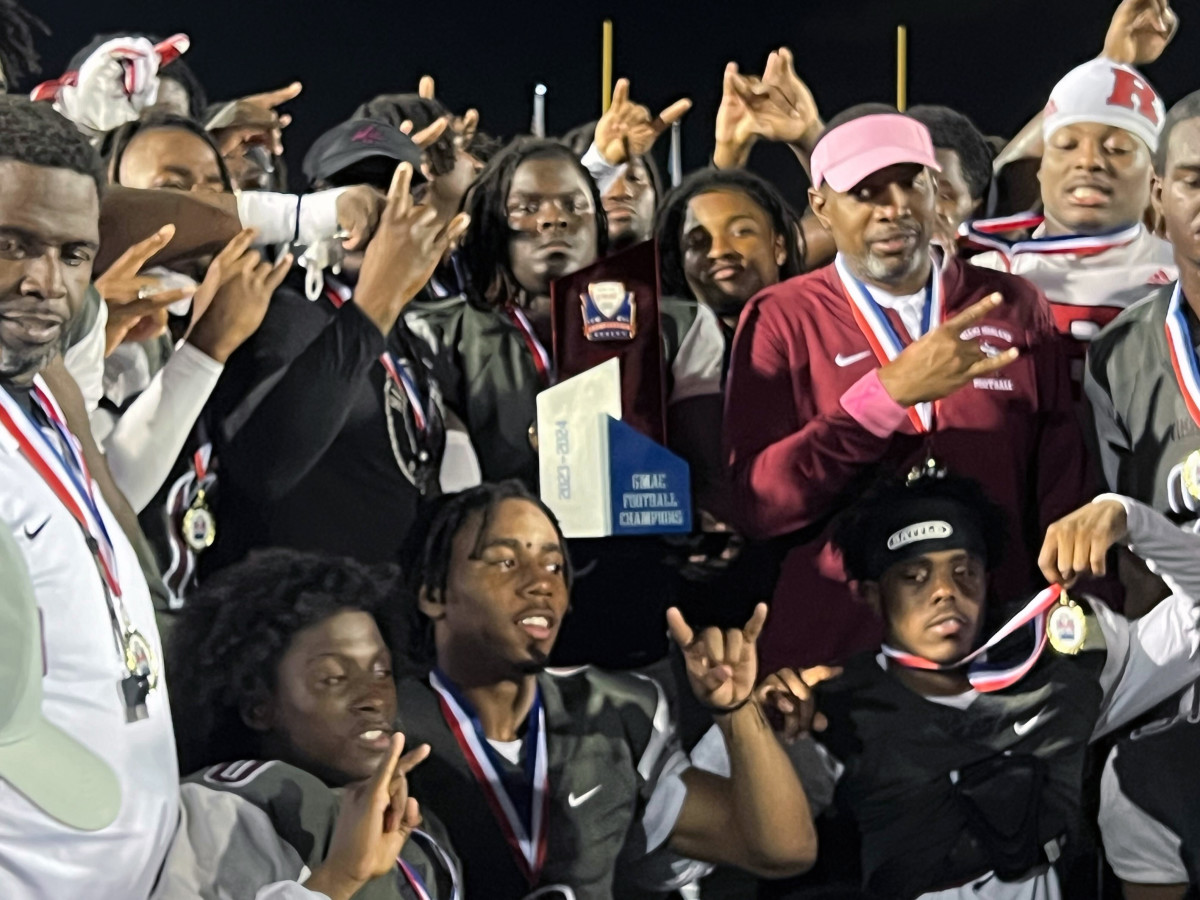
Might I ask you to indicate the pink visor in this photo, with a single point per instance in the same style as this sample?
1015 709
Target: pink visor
848 154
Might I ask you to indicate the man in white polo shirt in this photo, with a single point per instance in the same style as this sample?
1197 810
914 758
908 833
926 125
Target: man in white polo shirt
103 681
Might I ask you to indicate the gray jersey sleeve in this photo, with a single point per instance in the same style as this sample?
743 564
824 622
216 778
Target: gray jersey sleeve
1111 440
226 848
1153 657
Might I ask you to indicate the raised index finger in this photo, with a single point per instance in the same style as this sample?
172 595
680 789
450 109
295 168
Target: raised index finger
620 92
387 766
425 87
973 313
398 196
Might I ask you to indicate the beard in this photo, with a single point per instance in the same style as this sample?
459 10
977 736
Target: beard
19 365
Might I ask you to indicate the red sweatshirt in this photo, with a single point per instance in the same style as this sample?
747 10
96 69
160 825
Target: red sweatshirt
808 427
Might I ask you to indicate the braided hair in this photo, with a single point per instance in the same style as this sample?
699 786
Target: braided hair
668 223
225 649
484 247
427 554
17 53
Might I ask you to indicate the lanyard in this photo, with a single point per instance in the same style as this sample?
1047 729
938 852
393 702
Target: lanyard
400 374
525 835
886 344
983 677
984 234
1183 356
541 359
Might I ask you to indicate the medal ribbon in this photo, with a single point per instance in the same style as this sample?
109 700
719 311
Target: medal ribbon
201 460
1183 356
882 337
983 677
403 379
68 478
541 359
414 879
527 839
983 234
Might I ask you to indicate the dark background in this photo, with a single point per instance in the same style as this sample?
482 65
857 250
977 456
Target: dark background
995 60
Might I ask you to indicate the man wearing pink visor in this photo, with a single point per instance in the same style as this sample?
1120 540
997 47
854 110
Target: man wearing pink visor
886 359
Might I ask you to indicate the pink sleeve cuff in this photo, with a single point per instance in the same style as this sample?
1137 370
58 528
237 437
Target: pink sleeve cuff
872 406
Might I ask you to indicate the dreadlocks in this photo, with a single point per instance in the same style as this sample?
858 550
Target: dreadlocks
18 57
485 245
232 635
668 224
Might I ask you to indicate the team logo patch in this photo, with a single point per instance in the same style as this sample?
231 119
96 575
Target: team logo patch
922 531
609 312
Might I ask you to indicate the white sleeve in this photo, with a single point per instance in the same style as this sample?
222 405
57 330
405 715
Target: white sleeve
989 260
603 172
1172 552
1155 656
85 361
146 440
696 371
226 848
274 215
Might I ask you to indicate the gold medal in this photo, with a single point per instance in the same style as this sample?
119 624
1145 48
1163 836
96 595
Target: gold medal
139 658
1066 626
1191 474
533 436
199 526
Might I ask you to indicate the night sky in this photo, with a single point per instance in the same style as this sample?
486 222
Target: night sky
995 60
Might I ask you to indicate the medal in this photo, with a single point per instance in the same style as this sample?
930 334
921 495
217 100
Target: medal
1191 474
533 436
199 526
609 312
1066 626
142 677
983 676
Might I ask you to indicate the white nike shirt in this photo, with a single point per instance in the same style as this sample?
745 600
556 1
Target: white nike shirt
41 858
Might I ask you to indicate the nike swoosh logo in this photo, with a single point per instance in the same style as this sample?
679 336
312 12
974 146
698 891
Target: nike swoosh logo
32 534
574 801
852 359
1023 728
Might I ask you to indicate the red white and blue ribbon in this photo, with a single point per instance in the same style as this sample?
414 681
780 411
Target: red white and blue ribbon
984 234
403 378
882 337
1183 356
541 359
415 881
984 677
66 475
526 837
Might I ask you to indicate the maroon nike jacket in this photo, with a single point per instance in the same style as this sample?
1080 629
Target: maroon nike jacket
808 427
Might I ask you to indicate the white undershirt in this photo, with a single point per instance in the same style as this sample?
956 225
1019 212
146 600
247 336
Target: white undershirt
910 308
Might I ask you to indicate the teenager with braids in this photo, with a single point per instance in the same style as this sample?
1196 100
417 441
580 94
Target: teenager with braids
581 768
286 712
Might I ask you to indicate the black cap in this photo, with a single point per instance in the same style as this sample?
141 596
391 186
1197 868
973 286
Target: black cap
348 145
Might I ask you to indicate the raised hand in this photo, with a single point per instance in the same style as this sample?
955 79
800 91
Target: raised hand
942 361
722 665
776 107
376 818
244 283
1078 544
787 701
405 250
1140 30
628 129
129 296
